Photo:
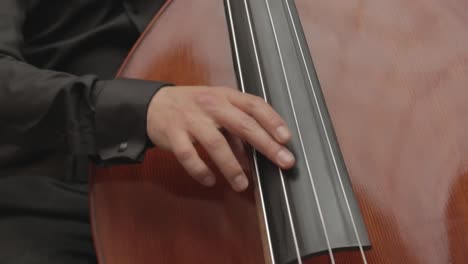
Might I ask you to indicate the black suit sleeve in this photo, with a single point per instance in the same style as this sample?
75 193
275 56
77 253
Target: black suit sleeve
43 109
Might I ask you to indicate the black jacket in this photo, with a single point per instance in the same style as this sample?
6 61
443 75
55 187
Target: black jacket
60 106
59 103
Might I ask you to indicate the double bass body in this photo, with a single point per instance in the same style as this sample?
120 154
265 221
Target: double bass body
393 76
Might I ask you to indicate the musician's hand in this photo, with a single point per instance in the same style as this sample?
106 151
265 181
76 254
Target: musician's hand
180 116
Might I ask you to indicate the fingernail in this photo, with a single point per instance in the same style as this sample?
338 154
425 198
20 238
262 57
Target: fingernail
208 181
285 157
282 133
240 183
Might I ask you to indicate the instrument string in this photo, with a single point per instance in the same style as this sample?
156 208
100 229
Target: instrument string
299 132
265 97
283 184
363 256
247 11
254 152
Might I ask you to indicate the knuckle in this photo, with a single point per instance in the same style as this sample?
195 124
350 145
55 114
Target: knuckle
274 120
247 126
272 148
255 102
215 142
259 101
229 92
184 154
206 99
199 172
234 171
192 121
227 89
263 110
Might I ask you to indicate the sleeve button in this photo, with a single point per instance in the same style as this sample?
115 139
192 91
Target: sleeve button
123 146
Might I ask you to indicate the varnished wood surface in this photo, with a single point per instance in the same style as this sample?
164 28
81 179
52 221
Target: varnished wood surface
155 212
394 75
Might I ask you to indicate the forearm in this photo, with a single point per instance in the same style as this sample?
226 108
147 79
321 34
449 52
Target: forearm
44 109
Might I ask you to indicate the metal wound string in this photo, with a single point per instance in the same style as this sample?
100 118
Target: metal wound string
283 185
254 153
299 133
326 134
247 11
285 193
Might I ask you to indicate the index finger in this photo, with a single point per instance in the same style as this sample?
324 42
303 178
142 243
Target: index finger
265 115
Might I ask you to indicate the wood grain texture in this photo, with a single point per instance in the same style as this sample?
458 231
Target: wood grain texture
155 212
394 75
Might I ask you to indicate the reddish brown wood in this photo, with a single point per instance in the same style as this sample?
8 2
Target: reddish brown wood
394 74
155 212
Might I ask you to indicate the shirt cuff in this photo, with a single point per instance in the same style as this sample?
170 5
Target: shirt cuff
120 119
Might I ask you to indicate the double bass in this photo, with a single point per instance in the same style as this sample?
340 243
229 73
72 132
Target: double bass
375 93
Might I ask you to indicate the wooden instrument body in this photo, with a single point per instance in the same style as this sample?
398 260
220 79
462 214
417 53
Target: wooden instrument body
393 74
183 221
